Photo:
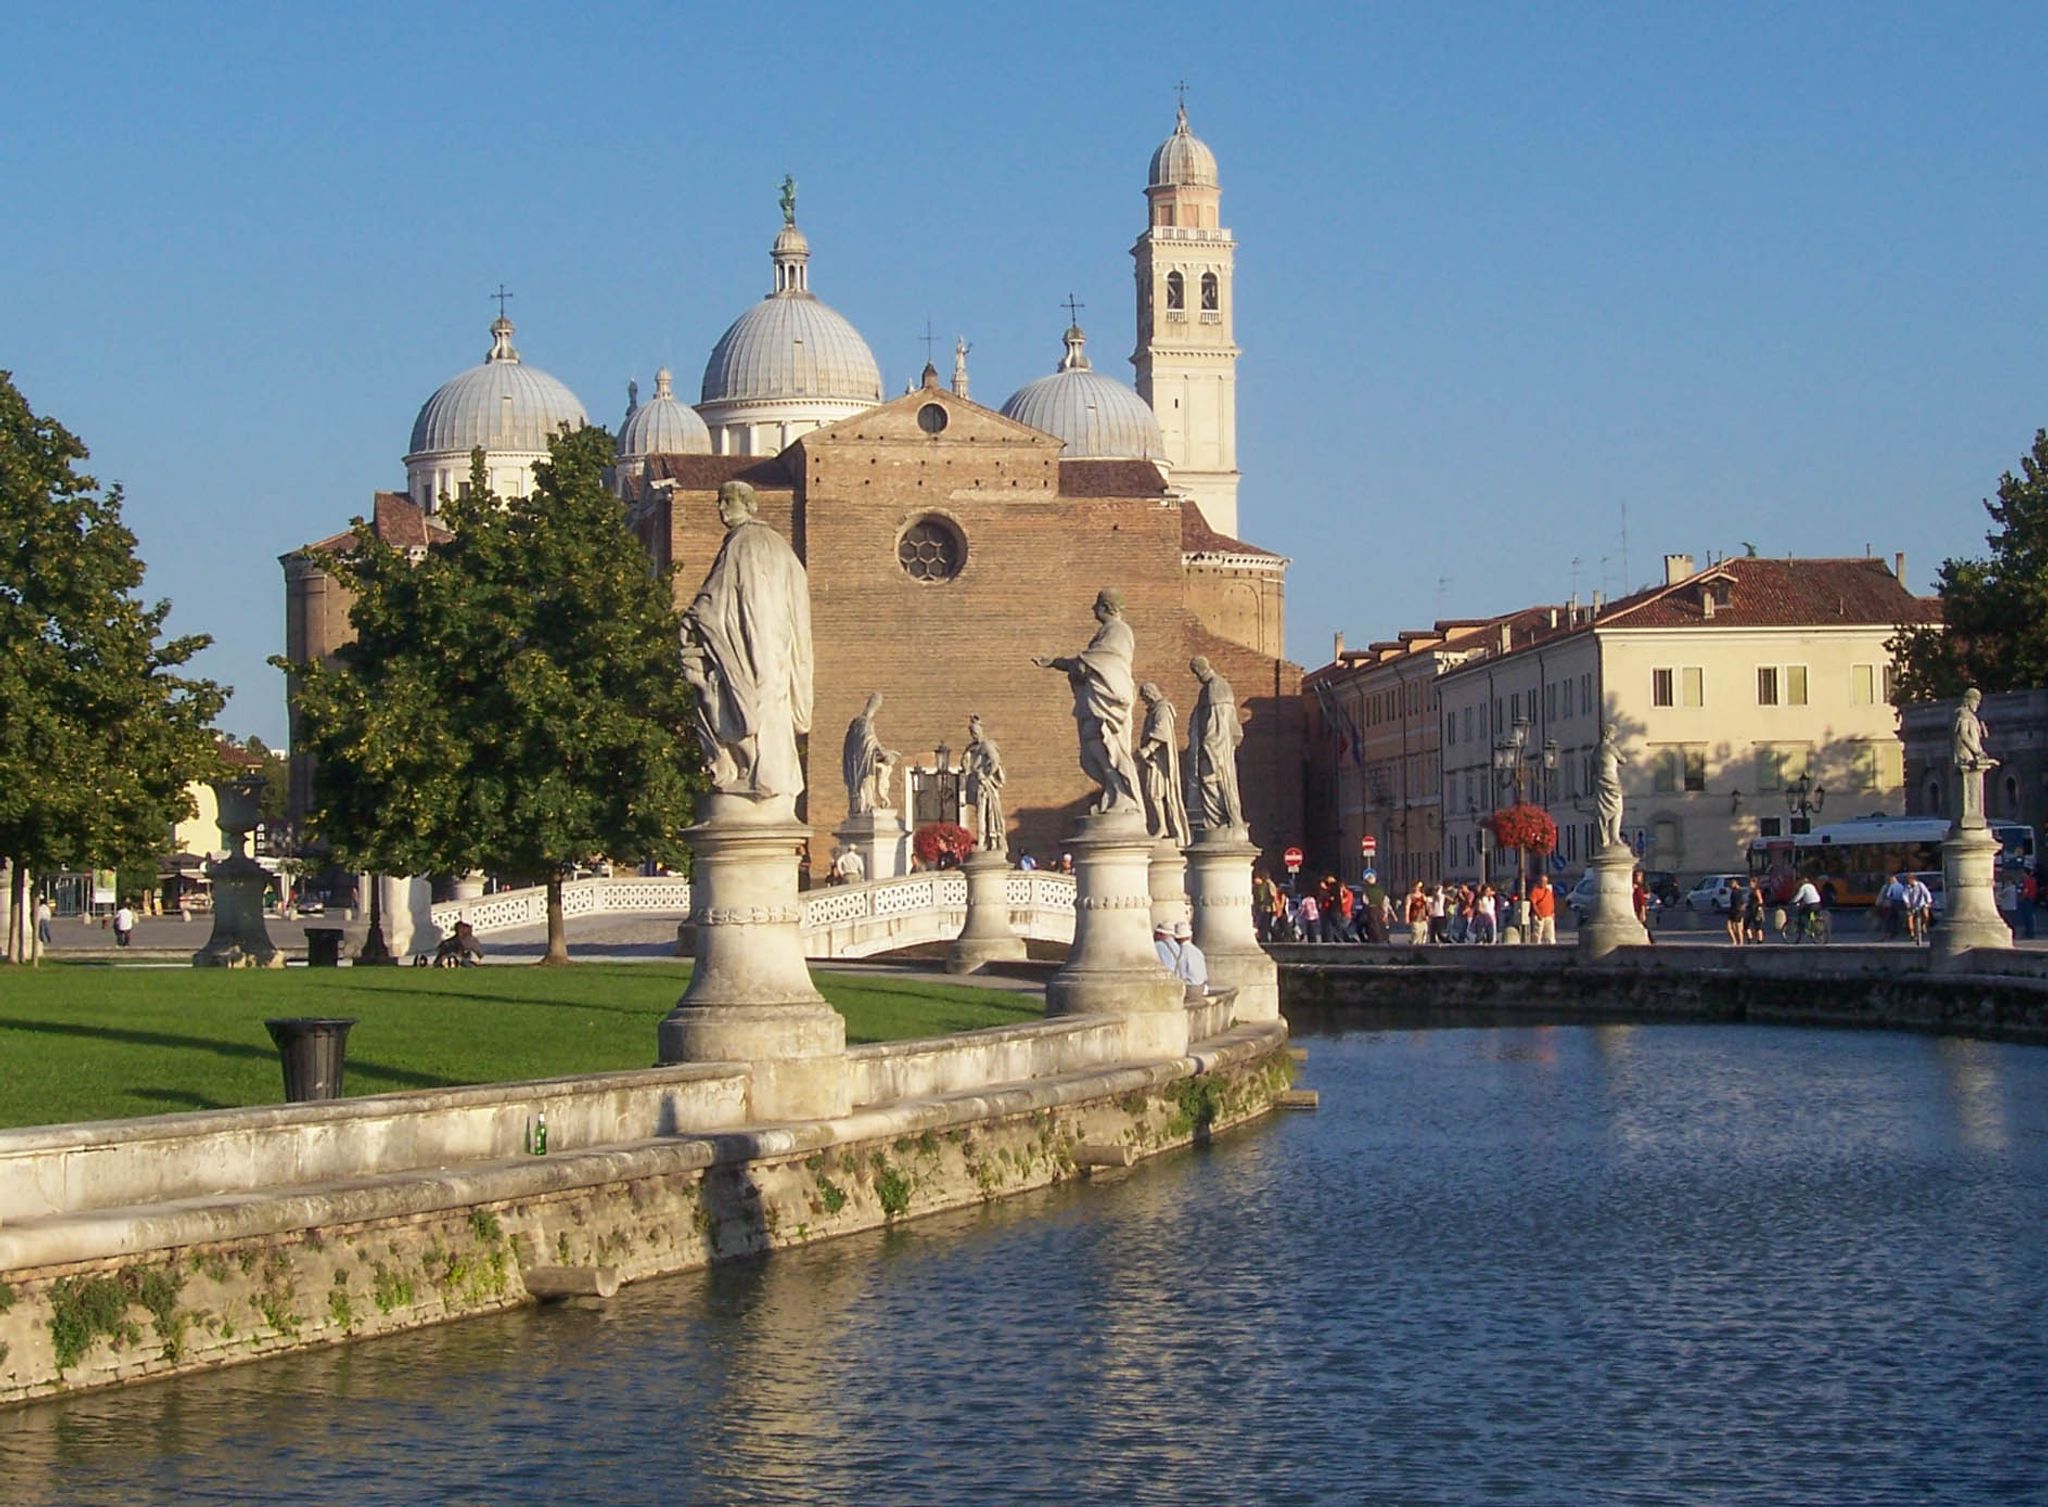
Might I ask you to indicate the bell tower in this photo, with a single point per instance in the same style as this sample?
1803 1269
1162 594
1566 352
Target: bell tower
1186 356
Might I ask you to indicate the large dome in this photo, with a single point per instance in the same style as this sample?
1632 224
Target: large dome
663 426
1098 417
1182 160
503 404
791 345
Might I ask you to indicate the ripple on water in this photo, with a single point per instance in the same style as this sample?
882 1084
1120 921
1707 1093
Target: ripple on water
1583 1264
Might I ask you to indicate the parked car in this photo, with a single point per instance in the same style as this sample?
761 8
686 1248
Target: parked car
1712 893
1663 884
1580 898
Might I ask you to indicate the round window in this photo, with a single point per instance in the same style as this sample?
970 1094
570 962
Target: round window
931 418
931 549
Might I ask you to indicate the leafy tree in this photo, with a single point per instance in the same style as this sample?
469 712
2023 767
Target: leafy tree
1995 630
98 738
512 700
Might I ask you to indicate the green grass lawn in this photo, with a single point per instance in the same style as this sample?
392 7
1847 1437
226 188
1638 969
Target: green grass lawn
92 1043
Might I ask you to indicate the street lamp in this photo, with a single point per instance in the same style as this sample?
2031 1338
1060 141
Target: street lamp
1512 758
1804 798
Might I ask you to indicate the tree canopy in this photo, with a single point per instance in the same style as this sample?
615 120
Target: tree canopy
1994 633
98 736
512 700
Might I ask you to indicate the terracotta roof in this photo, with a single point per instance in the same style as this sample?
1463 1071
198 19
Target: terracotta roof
1197 538
1770 593
706 473
235 756
398 522
1111 478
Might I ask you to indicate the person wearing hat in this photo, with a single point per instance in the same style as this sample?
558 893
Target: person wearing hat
1163 944
1193 968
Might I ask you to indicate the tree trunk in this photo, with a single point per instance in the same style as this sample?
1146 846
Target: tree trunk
10 946
558 929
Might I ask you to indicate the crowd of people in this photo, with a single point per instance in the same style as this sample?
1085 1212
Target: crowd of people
1368 912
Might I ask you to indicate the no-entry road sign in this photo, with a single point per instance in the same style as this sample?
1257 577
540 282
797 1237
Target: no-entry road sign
1293 858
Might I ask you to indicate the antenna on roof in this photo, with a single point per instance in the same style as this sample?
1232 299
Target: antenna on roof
1576 563
1625 578
1441 583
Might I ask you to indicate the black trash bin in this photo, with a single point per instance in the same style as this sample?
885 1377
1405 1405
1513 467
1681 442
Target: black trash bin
313 1050
323 947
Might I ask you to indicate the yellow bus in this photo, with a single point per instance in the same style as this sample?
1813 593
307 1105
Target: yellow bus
1850 862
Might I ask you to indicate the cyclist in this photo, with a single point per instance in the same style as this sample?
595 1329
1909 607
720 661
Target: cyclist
1806 911
1919 908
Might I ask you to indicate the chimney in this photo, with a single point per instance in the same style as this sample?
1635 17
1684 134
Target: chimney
1707 603
1594 611
1553 617
1676 568
1899 566
1337 648
1507 637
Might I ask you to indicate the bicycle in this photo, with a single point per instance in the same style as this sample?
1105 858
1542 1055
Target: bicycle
1809 926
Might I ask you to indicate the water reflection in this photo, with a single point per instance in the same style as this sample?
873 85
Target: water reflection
1566 1264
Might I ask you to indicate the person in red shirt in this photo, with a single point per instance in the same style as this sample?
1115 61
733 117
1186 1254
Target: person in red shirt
1542 911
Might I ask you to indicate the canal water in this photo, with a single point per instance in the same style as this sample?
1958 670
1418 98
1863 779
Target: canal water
1580 1264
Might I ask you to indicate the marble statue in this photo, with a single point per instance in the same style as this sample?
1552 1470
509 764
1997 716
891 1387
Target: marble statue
1104 696
1166 811
746 651
865 764
1966 747
983 763
788 200
1607 790
1213 735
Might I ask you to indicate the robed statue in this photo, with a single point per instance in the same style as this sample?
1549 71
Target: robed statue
865 764
1966 747
1105 692
1166 811
746 651
1607 789
1213 735
983 763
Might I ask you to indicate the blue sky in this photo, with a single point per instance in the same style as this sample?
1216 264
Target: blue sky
1766 274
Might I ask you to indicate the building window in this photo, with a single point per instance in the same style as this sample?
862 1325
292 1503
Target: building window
1586 693
1660 688
1692 686
1770 826
1212 292
1862 685
1863 766
1468 725
1795 685
1890 685
931 550
1766 685
1550 703
1695 766
1176 291
1667 770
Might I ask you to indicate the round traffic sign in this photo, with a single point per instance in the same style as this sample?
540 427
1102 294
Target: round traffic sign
1368 845
1293 858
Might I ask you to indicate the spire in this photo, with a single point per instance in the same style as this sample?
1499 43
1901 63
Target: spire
960 350
664 384
1076 359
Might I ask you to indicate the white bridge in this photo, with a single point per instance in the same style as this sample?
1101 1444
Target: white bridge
841 921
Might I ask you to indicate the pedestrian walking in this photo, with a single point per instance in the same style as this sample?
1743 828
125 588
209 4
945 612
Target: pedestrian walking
124 924
43 916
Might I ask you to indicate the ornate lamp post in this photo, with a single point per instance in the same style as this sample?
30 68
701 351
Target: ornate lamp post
1804 798
1512 761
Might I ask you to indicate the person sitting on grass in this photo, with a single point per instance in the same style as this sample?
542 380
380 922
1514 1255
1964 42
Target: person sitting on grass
459 950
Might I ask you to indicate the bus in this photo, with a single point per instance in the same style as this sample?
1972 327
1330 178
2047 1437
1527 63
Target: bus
1849 862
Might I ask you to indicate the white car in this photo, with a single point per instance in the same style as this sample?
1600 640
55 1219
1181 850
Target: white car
1712 893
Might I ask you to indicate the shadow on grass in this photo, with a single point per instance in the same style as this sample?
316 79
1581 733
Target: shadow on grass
178 1098
237 1049
418 994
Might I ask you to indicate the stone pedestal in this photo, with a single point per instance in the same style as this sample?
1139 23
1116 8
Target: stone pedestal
240 939
469 887
1969 903
1611 922
750 998
881 839
1167 880
987 937
408 904
1113 968
1220 893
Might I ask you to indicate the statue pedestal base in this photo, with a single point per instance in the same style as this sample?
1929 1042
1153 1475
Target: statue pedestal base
881 839
750 998
1611 922
1167 881
1113 968
240 939
987 937
1969 903
1220 891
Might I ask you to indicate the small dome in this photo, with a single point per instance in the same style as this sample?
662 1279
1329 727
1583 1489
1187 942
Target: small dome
1098 417
1182 160
501 405
663 426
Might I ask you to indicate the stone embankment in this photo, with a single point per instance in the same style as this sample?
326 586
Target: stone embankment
1998 994
143 1248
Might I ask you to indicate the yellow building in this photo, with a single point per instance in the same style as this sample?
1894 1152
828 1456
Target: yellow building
1738 693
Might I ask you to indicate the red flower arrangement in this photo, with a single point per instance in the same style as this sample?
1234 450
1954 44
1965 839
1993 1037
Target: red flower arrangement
1526 827
942 845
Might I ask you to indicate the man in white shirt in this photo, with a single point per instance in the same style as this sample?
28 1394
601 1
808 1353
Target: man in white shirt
1193 968
1919 907
1163 944
124 923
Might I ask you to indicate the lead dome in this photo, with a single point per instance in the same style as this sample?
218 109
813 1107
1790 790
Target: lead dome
663 426
503 407
1097 416
1182 160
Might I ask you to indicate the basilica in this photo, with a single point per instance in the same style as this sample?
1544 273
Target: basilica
946 542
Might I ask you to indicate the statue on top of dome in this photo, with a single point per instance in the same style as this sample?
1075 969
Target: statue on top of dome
788 199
